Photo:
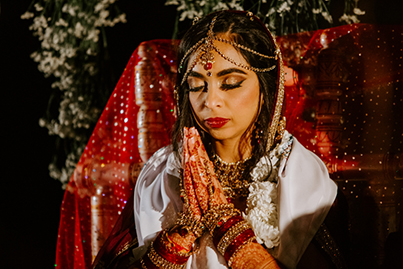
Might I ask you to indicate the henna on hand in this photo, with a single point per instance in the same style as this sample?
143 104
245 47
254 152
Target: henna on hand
200 172
253 256
180 239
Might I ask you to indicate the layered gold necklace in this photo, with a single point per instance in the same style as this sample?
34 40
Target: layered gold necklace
231 177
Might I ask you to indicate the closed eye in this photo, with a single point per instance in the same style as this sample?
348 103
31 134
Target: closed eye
199 88
226 86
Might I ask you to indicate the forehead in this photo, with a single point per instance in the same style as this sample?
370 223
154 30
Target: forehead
222 58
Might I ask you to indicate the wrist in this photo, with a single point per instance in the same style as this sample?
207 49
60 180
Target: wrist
181 241
232 236
165 253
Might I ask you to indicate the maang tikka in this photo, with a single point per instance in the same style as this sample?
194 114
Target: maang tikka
203 52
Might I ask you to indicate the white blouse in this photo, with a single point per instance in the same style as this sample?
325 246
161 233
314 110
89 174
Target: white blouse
305 195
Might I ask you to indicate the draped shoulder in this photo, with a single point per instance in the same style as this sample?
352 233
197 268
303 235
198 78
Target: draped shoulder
306 194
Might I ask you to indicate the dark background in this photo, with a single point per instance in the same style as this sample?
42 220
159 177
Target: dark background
29 199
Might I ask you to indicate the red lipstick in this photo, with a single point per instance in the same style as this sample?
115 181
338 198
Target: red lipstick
216 122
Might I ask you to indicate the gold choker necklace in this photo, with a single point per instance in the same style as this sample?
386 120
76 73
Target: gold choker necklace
231 176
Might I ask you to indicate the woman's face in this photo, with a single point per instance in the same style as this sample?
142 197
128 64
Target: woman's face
226 102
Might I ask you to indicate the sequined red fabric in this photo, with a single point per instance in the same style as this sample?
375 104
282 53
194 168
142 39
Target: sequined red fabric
101 185
344 101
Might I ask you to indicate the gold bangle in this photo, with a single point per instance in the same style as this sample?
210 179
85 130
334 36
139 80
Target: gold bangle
159 261
231 234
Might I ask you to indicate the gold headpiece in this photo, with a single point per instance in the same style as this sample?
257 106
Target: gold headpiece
203 52
205 46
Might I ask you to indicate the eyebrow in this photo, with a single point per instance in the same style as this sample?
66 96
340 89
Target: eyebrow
229 71
219 74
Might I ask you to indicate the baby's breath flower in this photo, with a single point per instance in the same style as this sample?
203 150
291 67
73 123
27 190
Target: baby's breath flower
358 11
70 42
27 15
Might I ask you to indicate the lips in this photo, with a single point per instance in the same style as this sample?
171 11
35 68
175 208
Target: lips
216 122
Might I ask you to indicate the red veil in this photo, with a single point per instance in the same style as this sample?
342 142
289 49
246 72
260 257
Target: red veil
135 123
339 81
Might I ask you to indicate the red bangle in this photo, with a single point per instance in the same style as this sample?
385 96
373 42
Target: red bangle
220 231
165 252
238 241
147 262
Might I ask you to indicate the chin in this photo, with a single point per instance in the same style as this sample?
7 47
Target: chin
218 134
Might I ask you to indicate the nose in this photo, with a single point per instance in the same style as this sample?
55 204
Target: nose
213 97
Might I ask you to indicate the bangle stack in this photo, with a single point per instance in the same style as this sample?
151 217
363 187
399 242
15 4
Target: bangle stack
160 255
232 236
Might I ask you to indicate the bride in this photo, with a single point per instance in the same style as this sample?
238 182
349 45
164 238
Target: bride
234 189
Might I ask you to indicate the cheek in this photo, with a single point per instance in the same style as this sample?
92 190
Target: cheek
195 103
249 100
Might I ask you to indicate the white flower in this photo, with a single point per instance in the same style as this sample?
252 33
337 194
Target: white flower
316 10
36 56
349 19
220 6
73 33
171 2
78 30
27 15
271 12
122 18
189 14
61 22
70 9
327 16
99 7
261 211
93 35
284 7
261 170
358 11
103 14
235 5
38 7
39 22
42 122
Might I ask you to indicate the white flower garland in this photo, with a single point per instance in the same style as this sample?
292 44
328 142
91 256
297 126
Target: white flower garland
261 211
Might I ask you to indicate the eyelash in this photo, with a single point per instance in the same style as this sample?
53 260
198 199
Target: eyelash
196 89
224 87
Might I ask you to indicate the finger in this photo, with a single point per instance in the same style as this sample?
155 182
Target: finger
200 183
200 180
187 179
190 192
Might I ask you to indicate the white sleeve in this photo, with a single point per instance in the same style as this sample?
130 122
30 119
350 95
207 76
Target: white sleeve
155 198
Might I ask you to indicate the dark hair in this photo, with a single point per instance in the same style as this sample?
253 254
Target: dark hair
250 33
